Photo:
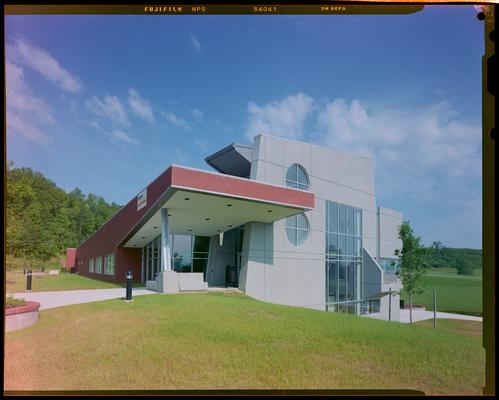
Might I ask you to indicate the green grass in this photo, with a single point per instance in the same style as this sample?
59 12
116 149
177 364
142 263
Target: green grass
468 328
455 293
230 341
477 273
16 282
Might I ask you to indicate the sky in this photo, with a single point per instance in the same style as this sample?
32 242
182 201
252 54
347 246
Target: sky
106 103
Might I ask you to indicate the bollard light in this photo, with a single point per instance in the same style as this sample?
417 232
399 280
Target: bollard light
28 281
129 285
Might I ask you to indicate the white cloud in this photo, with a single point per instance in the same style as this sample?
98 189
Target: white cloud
195 43
18 125
25 112
428 149
23 52
284 118
178 122
200 144
19 97
124 137
223 127
196 113
110 107
140 106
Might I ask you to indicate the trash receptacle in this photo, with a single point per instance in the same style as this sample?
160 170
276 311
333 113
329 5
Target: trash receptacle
231 276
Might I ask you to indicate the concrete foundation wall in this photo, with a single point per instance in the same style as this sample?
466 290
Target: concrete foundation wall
384 307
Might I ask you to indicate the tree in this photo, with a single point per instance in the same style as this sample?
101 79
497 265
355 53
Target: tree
42 219
413 265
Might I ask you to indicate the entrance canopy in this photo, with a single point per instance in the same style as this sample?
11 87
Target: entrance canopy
204 204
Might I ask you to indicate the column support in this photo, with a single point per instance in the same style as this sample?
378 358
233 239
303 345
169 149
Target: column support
166 264
168 280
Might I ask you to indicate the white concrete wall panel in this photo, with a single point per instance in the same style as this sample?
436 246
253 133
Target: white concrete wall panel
275 270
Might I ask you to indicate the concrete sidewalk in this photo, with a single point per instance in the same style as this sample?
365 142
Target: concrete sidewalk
68 297
422 314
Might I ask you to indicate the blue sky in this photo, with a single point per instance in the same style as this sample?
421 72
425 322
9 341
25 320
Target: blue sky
106 103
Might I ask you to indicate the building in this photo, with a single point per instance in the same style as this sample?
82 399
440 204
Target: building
70 258
295 223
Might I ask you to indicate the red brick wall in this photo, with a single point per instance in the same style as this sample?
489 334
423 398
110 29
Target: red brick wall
105 240
70 257
230 185
128 260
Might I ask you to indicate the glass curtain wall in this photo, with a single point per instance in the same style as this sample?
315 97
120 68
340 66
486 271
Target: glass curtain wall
188 254
343 258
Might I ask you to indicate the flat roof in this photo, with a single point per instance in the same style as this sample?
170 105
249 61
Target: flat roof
206 203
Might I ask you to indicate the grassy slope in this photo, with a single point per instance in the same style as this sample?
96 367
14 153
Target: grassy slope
455 293
468 328
223 341
16 283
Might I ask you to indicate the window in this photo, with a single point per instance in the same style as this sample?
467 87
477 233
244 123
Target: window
343 258
98 265
109 264
296 177
91 265
188 254
297 229
389 265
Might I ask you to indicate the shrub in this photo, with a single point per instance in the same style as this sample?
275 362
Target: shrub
11 301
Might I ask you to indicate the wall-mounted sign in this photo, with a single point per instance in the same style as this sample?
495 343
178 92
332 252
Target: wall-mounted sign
142 199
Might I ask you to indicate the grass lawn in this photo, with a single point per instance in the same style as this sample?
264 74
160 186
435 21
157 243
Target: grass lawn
231 341
455 293
468 328
16 282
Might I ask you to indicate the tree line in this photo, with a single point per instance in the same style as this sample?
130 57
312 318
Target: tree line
42 220
464 260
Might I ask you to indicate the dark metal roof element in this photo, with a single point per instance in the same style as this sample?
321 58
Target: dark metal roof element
235 159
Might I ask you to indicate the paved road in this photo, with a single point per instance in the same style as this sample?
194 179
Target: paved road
68 297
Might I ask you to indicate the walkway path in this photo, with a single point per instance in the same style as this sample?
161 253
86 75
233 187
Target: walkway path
420 314
68 297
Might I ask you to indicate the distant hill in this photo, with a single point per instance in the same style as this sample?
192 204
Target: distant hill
42 219
465 260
